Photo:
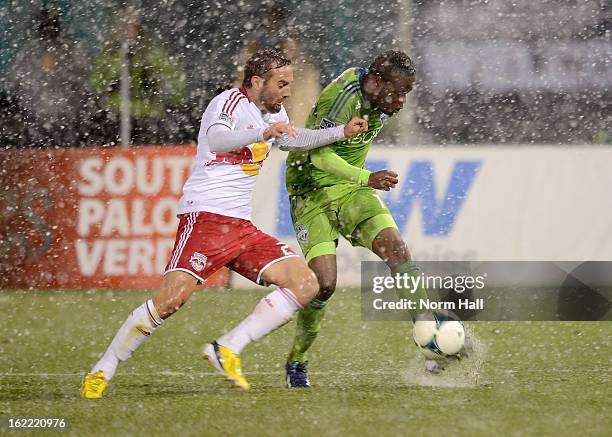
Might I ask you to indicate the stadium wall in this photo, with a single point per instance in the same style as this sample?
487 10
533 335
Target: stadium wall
105 217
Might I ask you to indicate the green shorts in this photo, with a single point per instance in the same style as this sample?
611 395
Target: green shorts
319 216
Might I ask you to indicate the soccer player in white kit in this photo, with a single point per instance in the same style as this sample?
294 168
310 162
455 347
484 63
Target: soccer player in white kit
237 131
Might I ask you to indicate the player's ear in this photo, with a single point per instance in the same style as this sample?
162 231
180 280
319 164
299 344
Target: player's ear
380 82
257 82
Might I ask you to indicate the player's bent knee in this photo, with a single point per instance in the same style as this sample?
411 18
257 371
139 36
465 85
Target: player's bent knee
294 274
327 287
390 247
325 293
400 250
304 285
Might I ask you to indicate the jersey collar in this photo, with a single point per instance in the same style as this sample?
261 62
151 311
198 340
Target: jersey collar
361 72
243 91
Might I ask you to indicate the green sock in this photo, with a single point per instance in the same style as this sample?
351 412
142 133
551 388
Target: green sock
308 325
411 269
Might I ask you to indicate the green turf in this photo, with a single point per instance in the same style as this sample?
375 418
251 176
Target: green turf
545 378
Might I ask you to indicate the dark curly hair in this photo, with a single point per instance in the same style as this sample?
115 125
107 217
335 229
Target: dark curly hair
390 63
260 64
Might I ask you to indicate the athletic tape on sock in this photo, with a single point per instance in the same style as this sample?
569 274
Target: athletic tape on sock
152 312
317 303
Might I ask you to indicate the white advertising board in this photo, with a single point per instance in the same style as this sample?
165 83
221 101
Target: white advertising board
499 203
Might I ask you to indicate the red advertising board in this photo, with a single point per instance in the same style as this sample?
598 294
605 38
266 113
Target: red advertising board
83 218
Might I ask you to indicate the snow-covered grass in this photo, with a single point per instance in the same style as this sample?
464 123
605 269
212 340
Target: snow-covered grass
545 378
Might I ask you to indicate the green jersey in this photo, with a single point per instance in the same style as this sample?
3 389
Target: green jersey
341 100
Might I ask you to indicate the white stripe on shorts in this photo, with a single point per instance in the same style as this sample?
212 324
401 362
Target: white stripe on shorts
183 240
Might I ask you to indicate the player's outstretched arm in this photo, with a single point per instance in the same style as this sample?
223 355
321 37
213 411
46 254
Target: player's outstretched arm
309 139
326 160
223 139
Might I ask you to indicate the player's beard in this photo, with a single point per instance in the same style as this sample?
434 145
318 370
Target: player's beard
386 107
271 104
390 112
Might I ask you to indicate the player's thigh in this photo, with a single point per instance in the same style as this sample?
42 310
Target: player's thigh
204 243
362 216
265 260
315 229
294 274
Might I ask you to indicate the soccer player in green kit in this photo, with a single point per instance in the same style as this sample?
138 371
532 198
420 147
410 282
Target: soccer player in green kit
331 192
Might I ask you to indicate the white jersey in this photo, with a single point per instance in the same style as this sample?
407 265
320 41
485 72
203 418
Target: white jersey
222 183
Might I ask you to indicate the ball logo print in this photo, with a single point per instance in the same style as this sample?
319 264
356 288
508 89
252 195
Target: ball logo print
198 261
302 233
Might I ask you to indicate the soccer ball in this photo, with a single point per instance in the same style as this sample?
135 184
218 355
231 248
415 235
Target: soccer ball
439 336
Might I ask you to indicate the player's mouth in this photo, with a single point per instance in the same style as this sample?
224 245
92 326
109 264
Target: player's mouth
393 110
390 111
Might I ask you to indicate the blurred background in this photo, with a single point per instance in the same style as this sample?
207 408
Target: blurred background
488 71
502 150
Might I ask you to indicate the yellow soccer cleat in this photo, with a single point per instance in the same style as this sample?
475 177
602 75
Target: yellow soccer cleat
94 385
226 362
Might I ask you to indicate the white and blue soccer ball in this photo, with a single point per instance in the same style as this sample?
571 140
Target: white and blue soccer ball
439 336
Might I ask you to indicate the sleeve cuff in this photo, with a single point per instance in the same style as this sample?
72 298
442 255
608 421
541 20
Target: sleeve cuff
340 132
364 177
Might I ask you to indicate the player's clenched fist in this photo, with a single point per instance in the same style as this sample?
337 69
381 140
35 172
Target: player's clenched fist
355 126
277 130
383 180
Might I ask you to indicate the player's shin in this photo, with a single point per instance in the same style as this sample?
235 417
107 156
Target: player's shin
137 328
308 326
272 312
411 269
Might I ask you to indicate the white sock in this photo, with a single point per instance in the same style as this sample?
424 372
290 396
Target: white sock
138 327
272 312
